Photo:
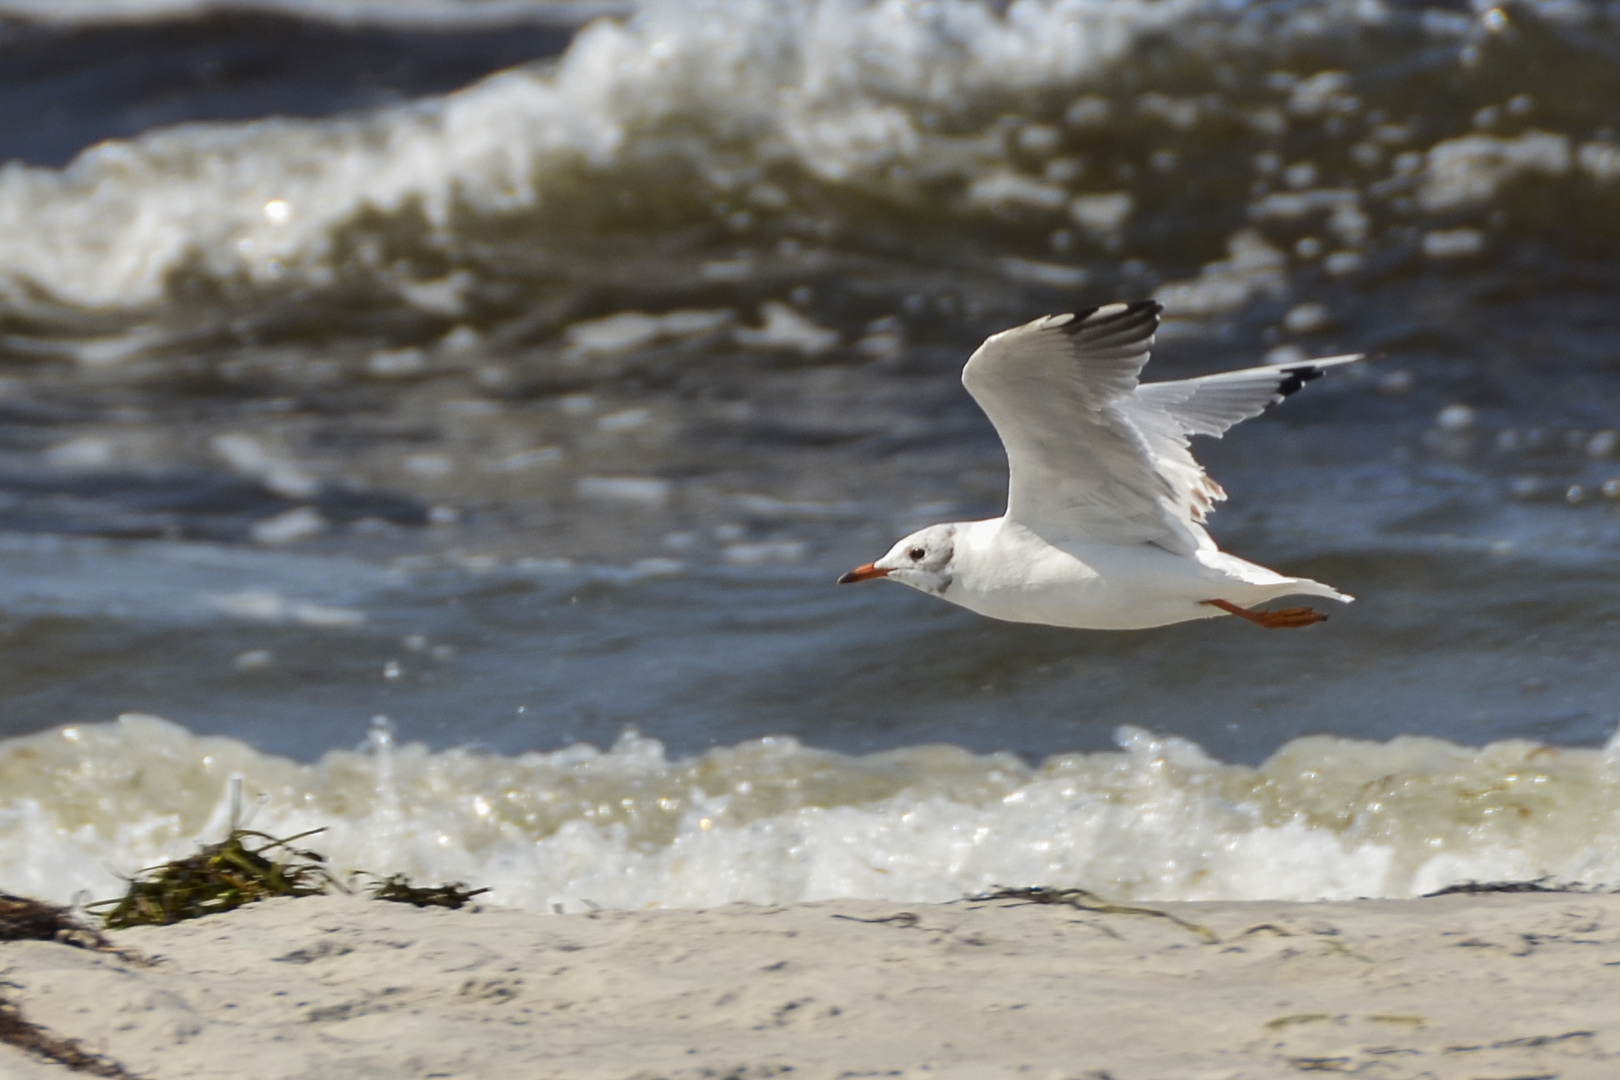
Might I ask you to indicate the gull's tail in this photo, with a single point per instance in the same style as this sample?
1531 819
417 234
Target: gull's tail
1260 585
1307 587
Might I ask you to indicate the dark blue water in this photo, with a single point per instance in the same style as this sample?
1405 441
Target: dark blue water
67 87
369 321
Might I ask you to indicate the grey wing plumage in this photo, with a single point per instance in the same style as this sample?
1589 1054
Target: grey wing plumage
1092 455
1079 468
1168 413
1210 404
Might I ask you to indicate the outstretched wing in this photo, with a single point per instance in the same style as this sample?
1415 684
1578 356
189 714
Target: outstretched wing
1094 457
1210 404
1168 413
1080 470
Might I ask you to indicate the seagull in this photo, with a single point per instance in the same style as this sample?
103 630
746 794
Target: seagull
1104 528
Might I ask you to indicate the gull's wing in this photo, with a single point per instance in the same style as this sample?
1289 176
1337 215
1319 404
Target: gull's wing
1080 470
1167 413
1093 456
1210 404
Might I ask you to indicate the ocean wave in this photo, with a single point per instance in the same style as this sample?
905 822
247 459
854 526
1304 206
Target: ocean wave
1079 127
773 821
826 85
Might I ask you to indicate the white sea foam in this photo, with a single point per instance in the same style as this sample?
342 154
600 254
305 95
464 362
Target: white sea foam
1472 169
773 821
711 103
840 89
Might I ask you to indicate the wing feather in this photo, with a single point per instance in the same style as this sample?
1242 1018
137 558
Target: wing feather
1080 470
1168 413
1211 404
1095 457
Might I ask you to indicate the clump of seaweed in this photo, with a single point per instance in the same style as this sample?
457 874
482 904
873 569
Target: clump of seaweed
245 867
25 919
398 889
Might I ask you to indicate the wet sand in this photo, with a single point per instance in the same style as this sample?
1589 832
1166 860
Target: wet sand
1465 986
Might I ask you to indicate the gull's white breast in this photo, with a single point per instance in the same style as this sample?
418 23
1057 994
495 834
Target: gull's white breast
1004 571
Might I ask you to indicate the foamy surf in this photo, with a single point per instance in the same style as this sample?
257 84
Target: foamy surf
741 113
773 821
694 90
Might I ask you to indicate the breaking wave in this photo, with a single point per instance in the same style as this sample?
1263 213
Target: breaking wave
1081 132
773 821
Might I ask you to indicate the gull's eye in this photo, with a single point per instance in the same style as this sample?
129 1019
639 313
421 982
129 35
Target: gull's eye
917 554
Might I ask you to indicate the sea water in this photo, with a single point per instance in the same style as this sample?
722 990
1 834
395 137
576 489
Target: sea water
536 416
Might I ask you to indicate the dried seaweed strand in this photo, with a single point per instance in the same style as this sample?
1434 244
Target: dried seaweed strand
398 888
1082 900
30 1038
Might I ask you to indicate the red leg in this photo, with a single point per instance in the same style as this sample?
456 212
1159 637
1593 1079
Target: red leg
1284 619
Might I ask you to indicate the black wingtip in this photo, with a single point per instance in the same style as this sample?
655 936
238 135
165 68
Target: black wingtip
1126 316
1295 377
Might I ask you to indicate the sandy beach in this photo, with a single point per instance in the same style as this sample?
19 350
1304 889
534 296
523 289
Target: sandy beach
1470 986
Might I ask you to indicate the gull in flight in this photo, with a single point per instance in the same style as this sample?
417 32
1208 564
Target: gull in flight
1105 504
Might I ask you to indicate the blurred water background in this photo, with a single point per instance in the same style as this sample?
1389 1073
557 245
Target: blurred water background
525 373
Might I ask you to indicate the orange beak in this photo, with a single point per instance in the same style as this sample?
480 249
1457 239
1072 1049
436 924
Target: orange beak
862 573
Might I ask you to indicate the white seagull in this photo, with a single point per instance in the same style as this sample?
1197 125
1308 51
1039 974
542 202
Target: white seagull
1105 504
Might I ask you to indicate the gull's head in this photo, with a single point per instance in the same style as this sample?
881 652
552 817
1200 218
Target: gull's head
922 560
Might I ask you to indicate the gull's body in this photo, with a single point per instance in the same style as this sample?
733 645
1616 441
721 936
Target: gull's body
1007 572
1105 506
